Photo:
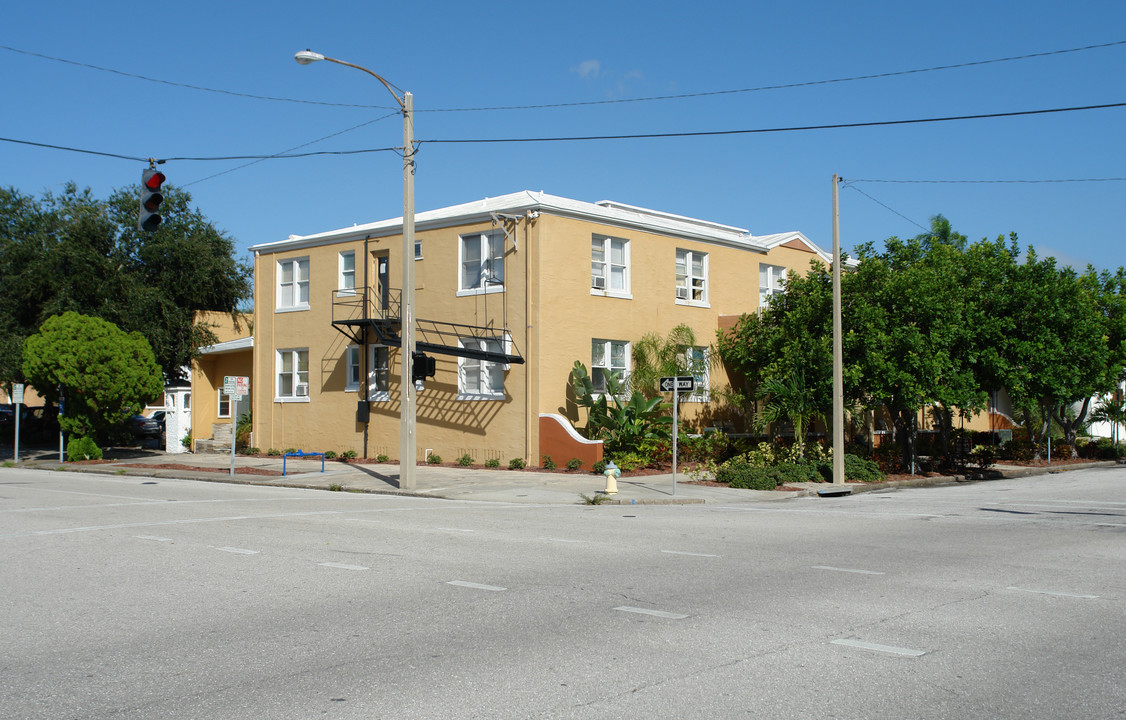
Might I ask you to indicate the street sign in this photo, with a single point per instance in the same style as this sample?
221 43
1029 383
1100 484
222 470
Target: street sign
17 393
236 385
684 383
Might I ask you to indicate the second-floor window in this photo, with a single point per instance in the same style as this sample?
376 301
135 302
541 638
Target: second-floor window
609 265
346 284
691 276
482 262
771 281
293 284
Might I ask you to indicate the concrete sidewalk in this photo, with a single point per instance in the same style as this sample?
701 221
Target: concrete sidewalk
457 483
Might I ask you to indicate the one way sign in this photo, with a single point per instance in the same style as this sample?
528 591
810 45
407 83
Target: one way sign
684 383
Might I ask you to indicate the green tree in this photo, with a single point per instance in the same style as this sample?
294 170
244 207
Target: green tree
106 375
788 399
73 252
678 353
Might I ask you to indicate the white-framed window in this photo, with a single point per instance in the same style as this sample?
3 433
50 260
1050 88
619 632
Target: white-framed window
293 375
417 249
379 373
695 361
691 277
346 284
352 368
293 284
607 356
480 379
224 404
481 259
609 266
771 281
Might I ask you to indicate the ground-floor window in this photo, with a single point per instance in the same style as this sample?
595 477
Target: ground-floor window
480 379
293 374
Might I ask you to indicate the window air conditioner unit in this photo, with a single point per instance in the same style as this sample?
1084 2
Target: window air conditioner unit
682 293
302 389
598 282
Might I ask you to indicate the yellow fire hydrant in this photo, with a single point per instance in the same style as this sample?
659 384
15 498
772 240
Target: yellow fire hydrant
612 474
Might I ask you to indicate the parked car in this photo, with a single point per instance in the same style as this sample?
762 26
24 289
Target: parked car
159 417
143 427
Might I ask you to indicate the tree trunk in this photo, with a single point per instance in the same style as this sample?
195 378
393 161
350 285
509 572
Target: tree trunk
906 431
1071 427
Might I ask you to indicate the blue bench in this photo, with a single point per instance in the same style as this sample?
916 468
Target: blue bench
302 454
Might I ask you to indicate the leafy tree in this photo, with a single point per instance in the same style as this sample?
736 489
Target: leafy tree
106 374
73 252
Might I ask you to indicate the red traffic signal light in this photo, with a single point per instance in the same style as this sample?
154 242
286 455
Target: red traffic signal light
151 198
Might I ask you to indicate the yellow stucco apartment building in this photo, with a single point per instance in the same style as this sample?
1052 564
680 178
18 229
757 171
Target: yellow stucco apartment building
509 293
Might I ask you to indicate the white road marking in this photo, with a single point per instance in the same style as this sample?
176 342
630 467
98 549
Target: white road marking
476 586
456 530
1054 592
891 649
562 540
342 566
63 531
690 554
239 551
654 613
153 537
847 570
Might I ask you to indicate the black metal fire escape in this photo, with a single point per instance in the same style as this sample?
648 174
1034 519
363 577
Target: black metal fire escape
381 315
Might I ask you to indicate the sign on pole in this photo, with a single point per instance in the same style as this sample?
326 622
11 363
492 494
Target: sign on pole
17 399
682 383
676 385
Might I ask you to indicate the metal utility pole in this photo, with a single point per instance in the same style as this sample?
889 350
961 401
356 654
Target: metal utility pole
407 416
838 345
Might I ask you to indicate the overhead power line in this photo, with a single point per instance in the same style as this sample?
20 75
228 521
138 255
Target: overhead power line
796 128
809 83
970 182
587 138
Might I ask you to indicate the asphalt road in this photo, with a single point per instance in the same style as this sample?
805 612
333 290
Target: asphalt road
122 597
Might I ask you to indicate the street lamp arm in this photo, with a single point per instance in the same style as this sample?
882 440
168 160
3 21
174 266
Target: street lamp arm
307 56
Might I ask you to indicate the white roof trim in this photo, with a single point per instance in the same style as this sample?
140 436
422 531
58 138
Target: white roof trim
229 346
606 212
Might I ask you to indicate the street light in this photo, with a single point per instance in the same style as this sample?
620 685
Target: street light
407 444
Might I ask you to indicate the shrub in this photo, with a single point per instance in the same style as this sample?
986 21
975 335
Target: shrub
253 451
273 451
492 463
290 451
548 463
186 441
381 458
657 450
861 470
628 462
330 454
738 473
465 460
599 467
574 464
516 464
983 456
434 459
82 448
348 454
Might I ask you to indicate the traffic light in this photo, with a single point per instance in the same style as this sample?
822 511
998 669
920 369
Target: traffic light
422 368
150 218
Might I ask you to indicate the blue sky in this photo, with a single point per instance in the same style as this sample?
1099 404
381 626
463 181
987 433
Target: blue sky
465 55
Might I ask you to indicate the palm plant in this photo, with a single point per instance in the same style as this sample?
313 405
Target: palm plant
788 398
